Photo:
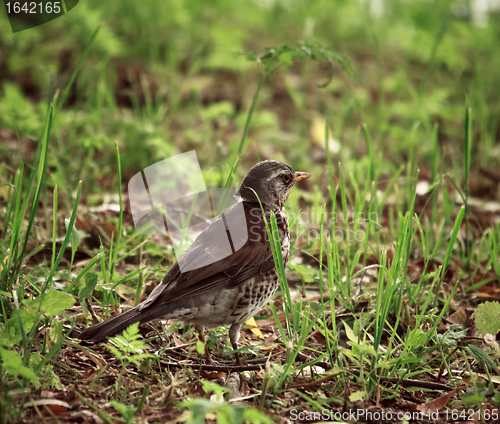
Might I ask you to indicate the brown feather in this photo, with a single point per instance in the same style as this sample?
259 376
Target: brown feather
229 271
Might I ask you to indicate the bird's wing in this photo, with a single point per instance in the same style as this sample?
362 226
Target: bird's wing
254 257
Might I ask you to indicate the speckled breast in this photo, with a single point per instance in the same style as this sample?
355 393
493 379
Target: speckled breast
256 292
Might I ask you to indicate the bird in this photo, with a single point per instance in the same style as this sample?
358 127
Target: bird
208 293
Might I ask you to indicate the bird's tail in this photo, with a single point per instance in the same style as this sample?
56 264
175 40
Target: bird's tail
98 333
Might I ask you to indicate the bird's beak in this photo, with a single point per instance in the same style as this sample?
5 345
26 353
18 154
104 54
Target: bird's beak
299 176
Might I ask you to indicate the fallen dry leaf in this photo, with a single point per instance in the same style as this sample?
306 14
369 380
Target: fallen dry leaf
437 404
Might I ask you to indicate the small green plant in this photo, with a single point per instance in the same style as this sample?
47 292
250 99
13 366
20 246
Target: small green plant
225 413
273 59
127 412
17 112
25 362
128 350
12 364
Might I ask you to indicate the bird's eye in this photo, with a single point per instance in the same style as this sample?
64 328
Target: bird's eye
286 178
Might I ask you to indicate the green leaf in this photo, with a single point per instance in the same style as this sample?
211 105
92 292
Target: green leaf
487 318
87 290
473 399
287 58
214 111
483 388
315 306
350 334
496 396
47 376
354 397
450 338
13 364
417 338
481 355
90 283
136 358
116 352
208 387
51 303
200 347
256 417
11 331
308 273
129 346
124 410
75 237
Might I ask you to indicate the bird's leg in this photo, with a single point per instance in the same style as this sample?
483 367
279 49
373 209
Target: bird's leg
234 336
201 332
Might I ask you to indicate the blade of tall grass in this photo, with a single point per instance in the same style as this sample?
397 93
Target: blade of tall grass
331 185
369 148
449 250
369 226
113 260
16 257
322 300
306 324
9 209
467 154
262 80
105 277
294 313
443 311
54 226
435 46
84 271
59 102
343 196
434 180
494 249
15 228
275 240
65 242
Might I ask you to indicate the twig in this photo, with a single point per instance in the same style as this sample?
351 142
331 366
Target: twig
408 382
313 383
182 346
405 382
223 368
95 318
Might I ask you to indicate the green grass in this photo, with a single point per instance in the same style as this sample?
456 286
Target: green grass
89 100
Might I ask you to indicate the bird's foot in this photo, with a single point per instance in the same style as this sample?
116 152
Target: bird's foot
237 359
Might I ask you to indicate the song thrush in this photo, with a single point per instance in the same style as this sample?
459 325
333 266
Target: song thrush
230 290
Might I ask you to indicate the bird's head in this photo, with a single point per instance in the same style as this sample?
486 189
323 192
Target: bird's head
272 181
